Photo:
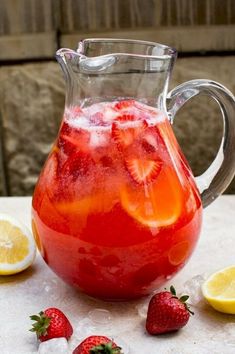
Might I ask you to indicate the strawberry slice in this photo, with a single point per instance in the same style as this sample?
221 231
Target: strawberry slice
124 104
126 118
76 110
78 164
71 139
143 170
124 136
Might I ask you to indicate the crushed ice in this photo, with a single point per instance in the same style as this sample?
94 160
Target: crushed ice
54 346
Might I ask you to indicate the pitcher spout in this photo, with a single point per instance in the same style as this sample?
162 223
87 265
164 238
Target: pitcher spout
67 58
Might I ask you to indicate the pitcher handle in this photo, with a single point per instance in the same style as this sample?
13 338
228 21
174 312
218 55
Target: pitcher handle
221 171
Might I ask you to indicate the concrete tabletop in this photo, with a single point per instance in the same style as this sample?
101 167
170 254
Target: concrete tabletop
38 288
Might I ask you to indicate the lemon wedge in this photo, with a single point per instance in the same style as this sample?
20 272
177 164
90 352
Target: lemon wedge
17 246
219 290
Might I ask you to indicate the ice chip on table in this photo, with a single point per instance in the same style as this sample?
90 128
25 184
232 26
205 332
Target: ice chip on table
142 309
100 316
192 288
51 288
54 346
85 328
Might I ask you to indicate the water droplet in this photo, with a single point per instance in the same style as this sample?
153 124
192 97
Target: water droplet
100 316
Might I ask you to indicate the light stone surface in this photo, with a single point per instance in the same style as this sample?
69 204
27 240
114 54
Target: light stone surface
37 288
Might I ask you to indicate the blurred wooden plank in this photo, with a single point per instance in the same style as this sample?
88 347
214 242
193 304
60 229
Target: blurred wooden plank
28 16
183 38
100 15
28 46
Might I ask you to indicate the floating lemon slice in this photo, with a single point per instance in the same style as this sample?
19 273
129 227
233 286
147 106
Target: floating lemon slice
17 246
154 205
219 290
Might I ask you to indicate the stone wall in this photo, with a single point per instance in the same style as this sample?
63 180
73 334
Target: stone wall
32 102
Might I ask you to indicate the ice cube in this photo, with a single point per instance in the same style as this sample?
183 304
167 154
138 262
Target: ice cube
52 289
109 114
54 346
98 138
142 309
85 328
192 287
100 316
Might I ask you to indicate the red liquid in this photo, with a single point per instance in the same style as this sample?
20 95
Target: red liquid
115 211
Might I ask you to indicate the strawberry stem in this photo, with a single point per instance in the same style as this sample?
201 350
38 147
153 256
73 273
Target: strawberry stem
182 299
41 324
172 290
106 348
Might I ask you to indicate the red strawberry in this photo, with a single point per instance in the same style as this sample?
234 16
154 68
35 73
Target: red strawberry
124 136
51 323
143 170
97 345
124 104
167 312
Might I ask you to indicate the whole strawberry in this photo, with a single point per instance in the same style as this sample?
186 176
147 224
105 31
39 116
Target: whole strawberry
167 312
97 345
51 323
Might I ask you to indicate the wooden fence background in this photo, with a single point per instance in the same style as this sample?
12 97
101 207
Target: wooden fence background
32 29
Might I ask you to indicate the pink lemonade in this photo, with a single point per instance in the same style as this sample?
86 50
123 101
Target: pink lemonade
116 211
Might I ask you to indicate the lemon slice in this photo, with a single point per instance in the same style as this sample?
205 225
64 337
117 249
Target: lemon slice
219 290
154 205
17 246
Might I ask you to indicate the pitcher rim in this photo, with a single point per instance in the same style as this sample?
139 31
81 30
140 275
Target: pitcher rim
172 52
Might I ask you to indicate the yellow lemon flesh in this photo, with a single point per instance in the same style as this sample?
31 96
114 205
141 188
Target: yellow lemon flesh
17 246
219 290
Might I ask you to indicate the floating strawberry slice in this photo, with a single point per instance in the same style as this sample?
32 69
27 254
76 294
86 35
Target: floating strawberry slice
124 104
78 164
125 136
71 139
143 170
126 118
76 110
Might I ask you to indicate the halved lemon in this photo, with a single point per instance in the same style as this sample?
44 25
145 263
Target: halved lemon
219 290
17 246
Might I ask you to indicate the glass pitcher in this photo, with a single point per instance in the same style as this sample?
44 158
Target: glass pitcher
116 210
